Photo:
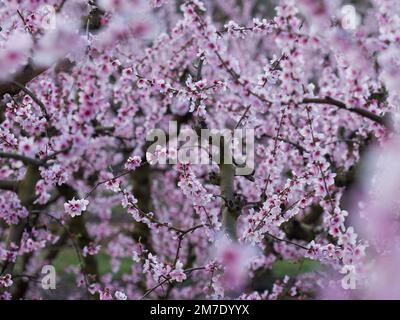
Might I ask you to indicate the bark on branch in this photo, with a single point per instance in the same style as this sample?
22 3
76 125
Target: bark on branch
341 105
26 75
227 176
25 192
24 159
8 185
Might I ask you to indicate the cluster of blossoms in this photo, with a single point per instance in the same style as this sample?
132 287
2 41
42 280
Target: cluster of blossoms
83 84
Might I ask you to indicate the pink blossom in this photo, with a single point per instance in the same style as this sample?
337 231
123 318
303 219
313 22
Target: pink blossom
178 274
133 162
75 207
91 250
235 259
119 295
6 281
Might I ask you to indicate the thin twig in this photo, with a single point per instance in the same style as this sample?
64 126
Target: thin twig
34 98
287 241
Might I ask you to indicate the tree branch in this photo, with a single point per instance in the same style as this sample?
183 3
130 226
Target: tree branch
29 73
33 161
25 190
227 174
24 159
34 98
8 185
361 112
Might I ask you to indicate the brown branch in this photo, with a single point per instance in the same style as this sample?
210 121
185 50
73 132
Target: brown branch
361 112
25 24
180 239
26 75
168 278
53 155
227 176
8 185
24 159
155 287
286 241
32 161
34 98
25 192
243 116
294 144
60 6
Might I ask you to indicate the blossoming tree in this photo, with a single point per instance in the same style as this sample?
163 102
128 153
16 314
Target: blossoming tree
82 83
